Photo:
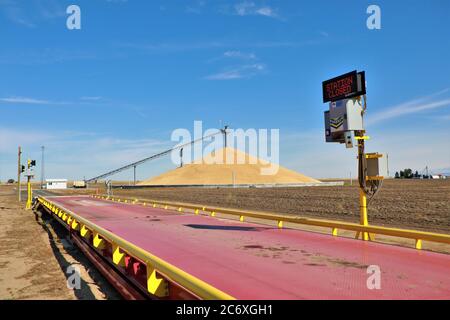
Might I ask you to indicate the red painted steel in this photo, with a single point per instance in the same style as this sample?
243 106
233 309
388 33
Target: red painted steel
116 280
251 261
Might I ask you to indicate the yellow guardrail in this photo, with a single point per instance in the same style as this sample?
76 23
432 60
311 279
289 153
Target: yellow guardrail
158 270
416 235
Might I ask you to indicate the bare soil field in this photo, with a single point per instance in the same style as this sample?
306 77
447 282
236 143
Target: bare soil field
417 204
35 254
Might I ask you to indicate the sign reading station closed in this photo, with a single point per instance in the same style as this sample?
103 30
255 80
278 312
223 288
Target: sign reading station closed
346 86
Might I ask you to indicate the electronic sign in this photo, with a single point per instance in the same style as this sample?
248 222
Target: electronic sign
349 85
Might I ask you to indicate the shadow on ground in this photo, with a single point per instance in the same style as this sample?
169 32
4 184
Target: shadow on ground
67 254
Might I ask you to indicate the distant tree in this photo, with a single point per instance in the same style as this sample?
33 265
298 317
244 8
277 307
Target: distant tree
416 174
11 181
407 174
397 175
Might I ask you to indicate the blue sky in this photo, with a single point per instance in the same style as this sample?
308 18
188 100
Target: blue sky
114 91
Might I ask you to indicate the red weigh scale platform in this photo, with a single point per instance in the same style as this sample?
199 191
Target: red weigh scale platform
253 261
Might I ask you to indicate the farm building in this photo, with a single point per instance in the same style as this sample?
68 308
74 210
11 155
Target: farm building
55 184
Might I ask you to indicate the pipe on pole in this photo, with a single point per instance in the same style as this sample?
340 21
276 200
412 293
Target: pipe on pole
149 158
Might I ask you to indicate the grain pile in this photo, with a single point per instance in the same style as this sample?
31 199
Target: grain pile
229 166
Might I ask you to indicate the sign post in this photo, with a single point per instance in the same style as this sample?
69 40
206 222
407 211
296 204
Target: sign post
344 123
29 174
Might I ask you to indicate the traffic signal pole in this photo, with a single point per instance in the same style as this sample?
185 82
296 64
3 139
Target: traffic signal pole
29 191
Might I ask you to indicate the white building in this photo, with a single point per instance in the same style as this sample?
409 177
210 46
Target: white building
55 184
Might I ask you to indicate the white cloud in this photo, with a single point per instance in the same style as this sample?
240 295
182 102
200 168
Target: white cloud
76 154
243 8
239 54
24 100
73 155
10 139
410 107
33 12
13 12
245 71
164 48
227 75
266 11
43 56
197 7
28 100
250 8
308 153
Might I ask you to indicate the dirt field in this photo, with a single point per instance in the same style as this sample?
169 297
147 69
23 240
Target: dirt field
418 204
34 256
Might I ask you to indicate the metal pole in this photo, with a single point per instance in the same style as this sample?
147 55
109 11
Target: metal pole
362 182
42 168
225 142
364 221
181 157
30 194
134 170
19 171
387 164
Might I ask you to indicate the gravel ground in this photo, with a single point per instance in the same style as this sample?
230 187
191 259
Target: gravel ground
35 254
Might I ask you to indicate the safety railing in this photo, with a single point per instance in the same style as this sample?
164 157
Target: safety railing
158 270
335 226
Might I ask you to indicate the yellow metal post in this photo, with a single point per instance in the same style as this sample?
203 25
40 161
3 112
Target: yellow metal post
29 192
418 244
363 212
364 221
